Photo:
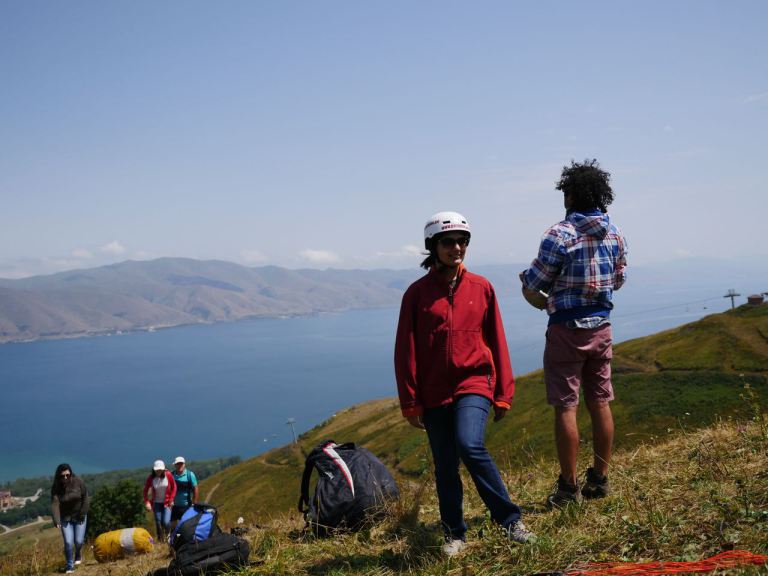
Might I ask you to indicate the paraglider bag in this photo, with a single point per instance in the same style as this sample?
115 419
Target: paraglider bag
200 547
352 487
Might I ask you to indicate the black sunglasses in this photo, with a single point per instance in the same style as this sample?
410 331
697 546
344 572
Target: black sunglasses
448 242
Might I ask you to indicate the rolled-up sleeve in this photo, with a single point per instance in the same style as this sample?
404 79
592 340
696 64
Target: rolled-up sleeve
547 264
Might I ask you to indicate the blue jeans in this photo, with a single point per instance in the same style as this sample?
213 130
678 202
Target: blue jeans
456 432
162 519
74 536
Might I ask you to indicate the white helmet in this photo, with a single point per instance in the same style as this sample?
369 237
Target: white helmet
444 222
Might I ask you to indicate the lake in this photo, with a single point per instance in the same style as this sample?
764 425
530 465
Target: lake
228 389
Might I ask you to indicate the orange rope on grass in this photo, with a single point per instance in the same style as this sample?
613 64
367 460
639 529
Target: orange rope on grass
717 562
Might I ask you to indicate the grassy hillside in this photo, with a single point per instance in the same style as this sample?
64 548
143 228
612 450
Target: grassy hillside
686 498
655 393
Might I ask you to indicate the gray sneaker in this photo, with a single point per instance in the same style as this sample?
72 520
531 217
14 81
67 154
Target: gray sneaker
453 546
563 494
517 532
596 486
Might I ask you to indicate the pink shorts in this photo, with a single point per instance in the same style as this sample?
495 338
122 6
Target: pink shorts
576 358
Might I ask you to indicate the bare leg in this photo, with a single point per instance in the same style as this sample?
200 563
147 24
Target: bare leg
567 439
602 434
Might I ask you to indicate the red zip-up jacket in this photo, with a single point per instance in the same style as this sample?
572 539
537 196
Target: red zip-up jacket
451 341
170 492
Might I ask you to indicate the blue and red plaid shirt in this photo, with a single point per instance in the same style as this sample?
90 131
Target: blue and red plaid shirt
581 261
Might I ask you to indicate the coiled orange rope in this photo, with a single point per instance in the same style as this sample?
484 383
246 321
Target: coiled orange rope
717 562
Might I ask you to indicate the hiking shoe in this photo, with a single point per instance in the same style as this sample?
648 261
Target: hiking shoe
453 546
563 494
517 532
596 486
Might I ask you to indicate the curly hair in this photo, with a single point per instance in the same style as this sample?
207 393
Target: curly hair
587 185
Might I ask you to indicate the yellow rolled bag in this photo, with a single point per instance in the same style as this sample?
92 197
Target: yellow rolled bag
121 543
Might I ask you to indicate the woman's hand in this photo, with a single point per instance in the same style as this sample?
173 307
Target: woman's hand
499 413
415 421
148 506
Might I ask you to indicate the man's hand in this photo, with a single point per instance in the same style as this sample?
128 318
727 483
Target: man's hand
535 298
415 421
499 413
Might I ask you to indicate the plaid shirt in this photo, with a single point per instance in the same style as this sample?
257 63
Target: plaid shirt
581 261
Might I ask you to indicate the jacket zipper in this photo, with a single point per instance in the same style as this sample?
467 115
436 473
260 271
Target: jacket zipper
450 327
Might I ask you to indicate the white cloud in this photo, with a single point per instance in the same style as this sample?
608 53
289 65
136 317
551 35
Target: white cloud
114 248
756 98
405 251
253 256
320 256
667 128
683 253
82 254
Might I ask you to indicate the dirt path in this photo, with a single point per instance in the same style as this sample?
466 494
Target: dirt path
210 494
7 530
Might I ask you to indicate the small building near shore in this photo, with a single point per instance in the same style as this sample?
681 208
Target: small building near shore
5 500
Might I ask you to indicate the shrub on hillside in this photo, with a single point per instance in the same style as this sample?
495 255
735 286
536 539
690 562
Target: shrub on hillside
116 506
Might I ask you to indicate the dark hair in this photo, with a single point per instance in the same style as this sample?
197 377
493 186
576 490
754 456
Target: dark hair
58 486
431 259
587 185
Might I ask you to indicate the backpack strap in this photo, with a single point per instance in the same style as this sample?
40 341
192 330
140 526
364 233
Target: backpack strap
189 488
316 454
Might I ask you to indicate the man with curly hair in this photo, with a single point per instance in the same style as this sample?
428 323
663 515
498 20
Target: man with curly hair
581 261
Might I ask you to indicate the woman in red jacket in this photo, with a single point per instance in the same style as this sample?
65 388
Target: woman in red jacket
160 481
452 366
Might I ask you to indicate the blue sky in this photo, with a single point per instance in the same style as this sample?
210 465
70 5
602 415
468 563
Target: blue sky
319 134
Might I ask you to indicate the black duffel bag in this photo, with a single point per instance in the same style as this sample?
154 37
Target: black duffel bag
219 553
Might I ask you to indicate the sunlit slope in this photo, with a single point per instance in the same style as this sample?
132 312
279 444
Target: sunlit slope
735 341
686 377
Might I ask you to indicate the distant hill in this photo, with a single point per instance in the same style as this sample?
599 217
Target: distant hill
682 378
143 295
174 291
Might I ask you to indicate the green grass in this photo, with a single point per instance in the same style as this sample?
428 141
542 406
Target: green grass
689 497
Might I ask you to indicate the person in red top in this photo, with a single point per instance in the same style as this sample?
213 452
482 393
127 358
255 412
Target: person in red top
160 481
452 366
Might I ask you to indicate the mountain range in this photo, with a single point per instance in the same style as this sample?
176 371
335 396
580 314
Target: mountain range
146 295
142 295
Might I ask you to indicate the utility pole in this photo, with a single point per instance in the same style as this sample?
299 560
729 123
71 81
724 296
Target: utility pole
732 295
291 422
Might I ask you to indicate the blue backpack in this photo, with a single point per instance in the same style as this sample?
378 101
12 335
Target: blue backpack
197 524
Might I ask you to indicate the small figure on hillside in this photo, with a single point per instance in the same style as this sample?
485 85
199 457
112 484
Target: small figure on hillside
581 261
69 508
163 487
452 368
187 491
